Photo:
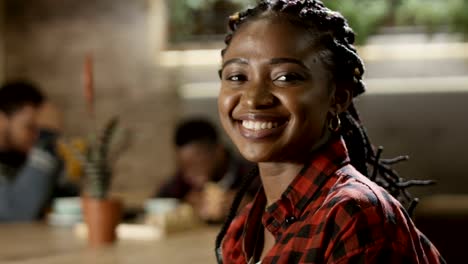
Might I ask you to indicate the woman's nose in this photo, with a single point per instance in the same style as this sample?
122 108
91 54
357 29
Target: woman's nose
258 95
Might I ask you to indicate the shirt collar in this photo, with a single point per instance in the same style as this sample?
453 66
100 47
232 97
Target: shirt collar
306 190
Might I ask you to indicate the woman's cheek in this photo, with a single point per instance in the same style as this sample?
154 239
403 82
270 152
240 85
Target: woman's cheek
227 101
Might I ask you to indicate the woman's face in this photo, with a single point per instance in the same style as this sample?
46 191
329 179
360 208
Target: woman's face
275 91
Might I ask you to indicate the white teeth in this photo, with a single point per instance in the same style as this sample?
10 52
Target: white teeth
256 125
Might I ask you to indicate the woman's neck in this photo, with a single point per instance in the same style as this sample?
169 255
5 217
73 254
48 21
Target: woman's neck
277 176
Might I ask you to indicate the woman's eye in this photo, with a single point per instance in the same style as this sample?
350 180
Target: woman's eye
237 78
291 77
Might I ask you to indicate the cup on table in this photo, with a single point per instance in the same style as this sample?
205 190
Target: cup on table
158 206
66 211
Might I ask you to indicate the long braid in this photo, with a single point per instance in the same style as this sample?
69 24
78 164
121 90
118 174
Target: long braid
246 181
347 68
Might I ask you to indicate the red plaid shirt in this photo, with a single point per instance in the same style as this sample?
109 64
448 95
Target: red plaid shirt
330 213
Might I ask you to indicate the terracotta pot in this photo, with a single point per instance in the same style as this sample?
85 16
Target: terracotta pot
102 217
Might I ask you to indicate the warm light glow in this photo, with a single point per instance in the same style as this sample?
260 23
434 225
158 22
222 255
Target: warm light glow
375 52
374 86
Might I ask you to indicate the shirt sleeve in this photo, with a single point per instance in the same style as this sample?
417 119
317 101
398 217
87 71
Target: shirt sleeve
374 231
377 253
23 198
387 253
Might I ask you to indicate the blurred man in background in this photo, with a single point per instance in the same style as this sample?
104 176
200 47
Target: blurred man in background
29 165
208 173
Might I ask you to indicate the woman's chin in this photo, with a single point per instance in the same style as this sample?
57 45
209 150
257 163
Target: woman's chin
256 155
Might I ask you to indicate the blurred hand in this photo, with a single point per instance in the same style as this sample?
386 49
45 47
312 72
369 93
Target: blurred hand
216 202
50 118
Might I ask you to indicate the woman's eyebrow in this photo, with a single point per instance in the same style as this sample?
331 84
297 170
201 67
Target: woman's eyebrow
288 60
235 60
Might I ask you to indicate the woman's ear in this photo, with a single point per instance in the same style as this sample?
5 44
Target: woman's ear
3 119
341 100
219 150
3 125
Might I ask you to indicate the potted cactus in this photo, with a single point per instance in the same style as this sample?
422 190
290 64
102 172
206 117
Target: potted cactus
101 212
96 158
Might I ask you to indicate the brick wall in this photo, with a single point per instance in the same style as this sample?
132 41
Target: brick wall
46 41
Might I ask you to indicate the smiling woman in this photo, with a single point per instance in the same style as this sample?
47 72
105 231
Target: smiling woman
288 78
284 84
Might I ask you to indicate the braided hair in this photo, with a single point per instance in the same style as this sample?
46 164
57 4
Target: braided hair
341 58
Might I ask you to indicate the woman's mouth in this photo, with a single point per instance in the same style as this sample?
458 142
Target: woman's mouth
260 129
258 125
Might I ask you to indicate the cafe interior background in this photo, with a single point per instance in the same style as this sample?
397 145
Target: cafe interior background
155 62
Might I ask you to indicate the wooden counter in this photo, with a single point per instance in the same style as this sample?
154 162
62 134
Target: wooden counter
40 243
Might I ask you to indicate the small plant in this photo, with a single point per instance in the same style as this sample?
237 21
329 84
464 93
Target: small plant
97 165
102 149
97 157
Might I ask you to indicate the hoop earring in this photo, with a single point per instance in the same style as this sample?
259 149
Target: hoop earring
334 124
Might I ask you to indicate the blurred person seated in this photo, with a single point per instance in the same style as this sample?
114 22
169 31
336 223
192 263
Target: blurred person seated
208 173
29 165
50 126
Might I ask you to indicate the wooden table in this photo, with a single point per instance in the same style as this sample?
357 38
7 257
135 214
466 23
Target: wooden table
40 243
